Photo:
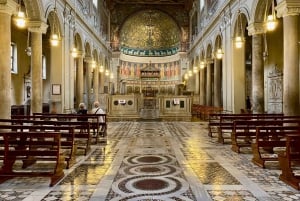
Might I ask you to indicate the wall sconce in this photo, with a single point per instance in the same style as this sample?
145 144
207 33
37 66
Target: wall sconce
271 19
20 18
239 34
54 38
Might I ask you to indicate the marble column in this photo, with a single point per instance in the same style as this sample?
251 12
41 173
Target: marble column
197 83
79 79
202 87
96 83
36 67
208 85
257 74
291 65
89 63
217 82
5 68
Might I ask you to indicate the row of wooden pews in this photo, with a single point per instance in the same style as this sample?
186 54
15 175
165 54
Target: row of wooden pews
271 137
26 142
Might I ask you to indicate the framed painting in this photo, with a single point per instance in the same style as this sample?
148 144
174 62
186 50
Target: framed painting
56 89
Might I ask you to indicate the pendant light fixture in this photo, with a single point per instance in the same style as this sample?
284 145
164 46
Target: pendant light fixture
271 19
20 18
74 51
239 34
54 38
219 52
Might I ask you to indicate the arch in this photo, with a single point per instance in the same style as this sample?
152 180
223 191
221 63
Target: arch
34 10
78 42
87 50
242 15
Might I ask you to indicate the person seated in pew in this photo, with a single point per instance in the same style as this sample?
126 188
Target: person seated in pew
82 111
97 110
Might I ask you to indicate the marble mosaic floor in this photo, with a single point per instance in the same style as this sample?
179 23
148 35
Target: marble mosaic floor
157 161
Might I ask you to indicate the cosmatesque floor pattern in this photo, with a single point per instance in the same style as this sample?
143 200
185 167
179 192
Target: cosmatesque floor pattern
157 161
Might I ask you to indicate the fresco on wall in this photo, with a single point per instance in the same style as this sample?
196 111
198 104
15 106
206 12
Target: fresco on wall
168 71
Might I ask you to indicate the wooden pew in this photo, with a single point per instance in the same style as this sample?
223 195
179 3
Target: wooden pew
226 123
289 160
268 138
214 122
82 136
98 122
31 147
67 135
244 131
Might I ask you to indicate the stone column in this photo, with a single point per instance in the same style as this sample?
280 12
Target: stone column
197 83
5 75
202 87
291 65
79 79
290 13
257 74
96 83
217 82
257 30
89 63
37 31
208 85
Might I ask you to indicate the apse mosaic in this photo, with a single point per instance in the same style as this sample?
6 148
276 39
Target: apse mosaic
150 33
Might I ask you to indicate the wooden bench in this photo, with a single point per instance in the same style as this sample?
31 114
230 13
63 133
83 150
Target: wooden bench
289 160
267 139
225 127
67 135
244 131
31 147
98 122
82 136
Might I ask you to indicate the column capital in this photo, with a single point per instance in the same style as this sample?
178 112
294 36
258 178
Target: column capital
255 28
37 26
288 7
88 59
8 7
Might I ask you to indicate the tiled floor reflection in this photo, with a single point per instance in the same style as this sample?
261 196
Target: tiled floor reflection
161 161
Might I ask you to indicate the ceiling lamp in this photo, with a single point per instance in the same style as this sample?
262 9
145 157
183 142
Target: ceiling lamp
20 17
271 19
239 35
